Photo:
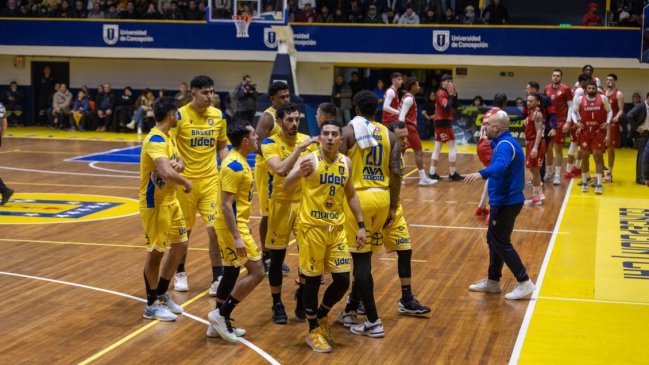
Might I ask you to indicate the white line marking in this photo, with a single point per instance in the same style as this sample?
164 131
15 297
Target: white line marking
77 159
594 301
516 352
66 172
480 228
252 346
94 166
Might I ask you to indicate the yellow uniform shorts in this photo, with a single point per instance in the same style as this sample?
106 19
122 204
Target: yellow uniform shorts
396 236
282 217
163 226
261 182
228 251
375 204
322 249
202 198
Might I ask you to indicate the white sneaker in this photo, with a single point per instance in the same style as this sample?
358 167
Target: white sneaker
222 325
521 290
348 319
159 312
214 287
131 125
486 285
180 282
584 188
167 301
368 328
427 182
211 331
139 131
556 180
548 177
598 189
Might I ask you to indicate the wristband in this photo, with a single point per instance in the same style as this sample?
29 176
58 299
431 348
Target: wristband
361 225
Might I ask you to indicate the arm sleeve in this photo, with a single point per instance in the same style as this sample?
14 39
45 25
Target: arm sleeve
407 103
389 95
501 159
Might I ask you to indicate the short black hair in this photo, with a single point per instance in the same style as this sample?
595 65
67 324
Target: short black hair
534 85
478 97
583 69
592 83
201 82
276 87
246 77
583 77
328 108
614 76
409 82
558 70
287 108
395 74
398 124
128 88
237 131
331 122
537 96
500 100
446 77
367 102
163 106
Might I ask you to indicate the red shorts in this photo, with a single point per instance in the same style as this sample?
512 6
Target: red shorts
444 134
537 162
484 152
559 137
592 139
616 137
414 141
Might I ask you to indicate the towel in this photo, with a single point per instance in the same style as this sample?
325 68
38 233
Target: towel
364 132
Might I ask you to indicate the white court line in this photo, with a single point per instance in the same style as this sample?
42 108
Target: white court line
66 172
252 346
594 301
481 228
522 333
94 166
76 159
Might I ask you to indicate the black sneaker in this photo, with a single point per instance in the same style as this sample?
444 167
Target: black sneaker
300 313
6 194
412 307
435 176
279 314
456 177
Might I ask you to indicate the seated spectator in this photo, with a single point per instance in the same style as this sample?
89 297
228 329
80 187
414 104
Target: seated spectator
495 13
339 16
143 109
63 11
469 16
430 17
11 10
129 13
192 12
151 13
390 17
183 96
402 5
477 101
13 102
591 18
79 10
325 16
409 17
105 103
173 13
79 112
221 9
373 16
96 12
307 15
111 13
380 5
123 109
355 13
61 104
448 17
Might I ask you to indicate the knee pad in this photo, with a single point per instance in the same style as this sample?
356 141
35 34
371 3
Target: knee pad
403 263
436 150
310 294
275 267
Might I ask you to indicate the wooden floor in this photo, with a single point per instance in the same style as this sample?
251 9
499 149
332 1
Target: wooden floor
56 322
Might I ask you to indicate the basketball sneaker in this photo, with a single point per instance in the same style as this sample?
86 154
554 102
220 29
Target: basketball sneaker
608 178
556 180
486 286
427 182
214 287
584 188
300 313
180 282
521 290
325 330
222 325
279 314
548 177
368 328
481 211
348 319
456 177
211 331
412 307
159 312
167 301
535 202
6 195
598 189
435 176
317 342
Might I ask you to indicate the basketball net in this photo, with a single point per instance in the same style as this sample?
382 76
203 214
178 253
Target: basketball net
242 22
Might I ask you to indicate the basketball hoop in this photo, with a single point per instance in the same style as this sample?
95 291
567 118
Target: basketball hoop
242 22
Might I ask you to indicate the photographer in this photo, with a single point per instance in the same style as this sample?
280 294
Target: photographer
246 99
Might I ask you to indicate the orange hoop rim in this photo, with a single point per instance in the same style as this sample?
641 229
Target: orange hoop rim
244 17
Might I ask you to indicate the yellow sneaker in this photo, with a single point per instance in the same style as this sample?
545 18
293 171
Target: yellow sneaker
317 341
325 329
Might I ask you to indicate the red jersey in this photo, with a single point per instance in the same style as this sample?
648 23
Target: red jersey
440 113
560 97
411 115
592 112
387 116
530 127
612 98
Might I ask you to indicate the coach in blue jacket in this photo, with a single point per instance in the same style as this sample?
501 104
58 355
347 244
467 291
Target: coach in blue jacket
506 175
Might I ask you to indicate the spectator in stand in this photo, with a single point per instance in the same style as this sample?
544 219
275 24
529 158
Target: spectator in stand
183 96
63 11
409 17
11 10
129 12
246 95
79 10
192 12
325 15
495 13
339 16
123 109
425 5
430 17
591 18
174 12
379 91
96 12
520 104
355 84
61 104
105 103
13 103
111 13
151 13
341 96
380 5
143 109
307 15
356 13
221 9
79 112
477 101
448 17
448 5
469 16
635 13
373 16
164 5
390 17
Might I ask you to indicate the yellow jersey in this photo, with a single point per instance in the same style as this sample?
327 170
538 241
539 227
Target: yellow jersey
278 146
154 191
236 178
197 137
260 160
372 165
323 192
